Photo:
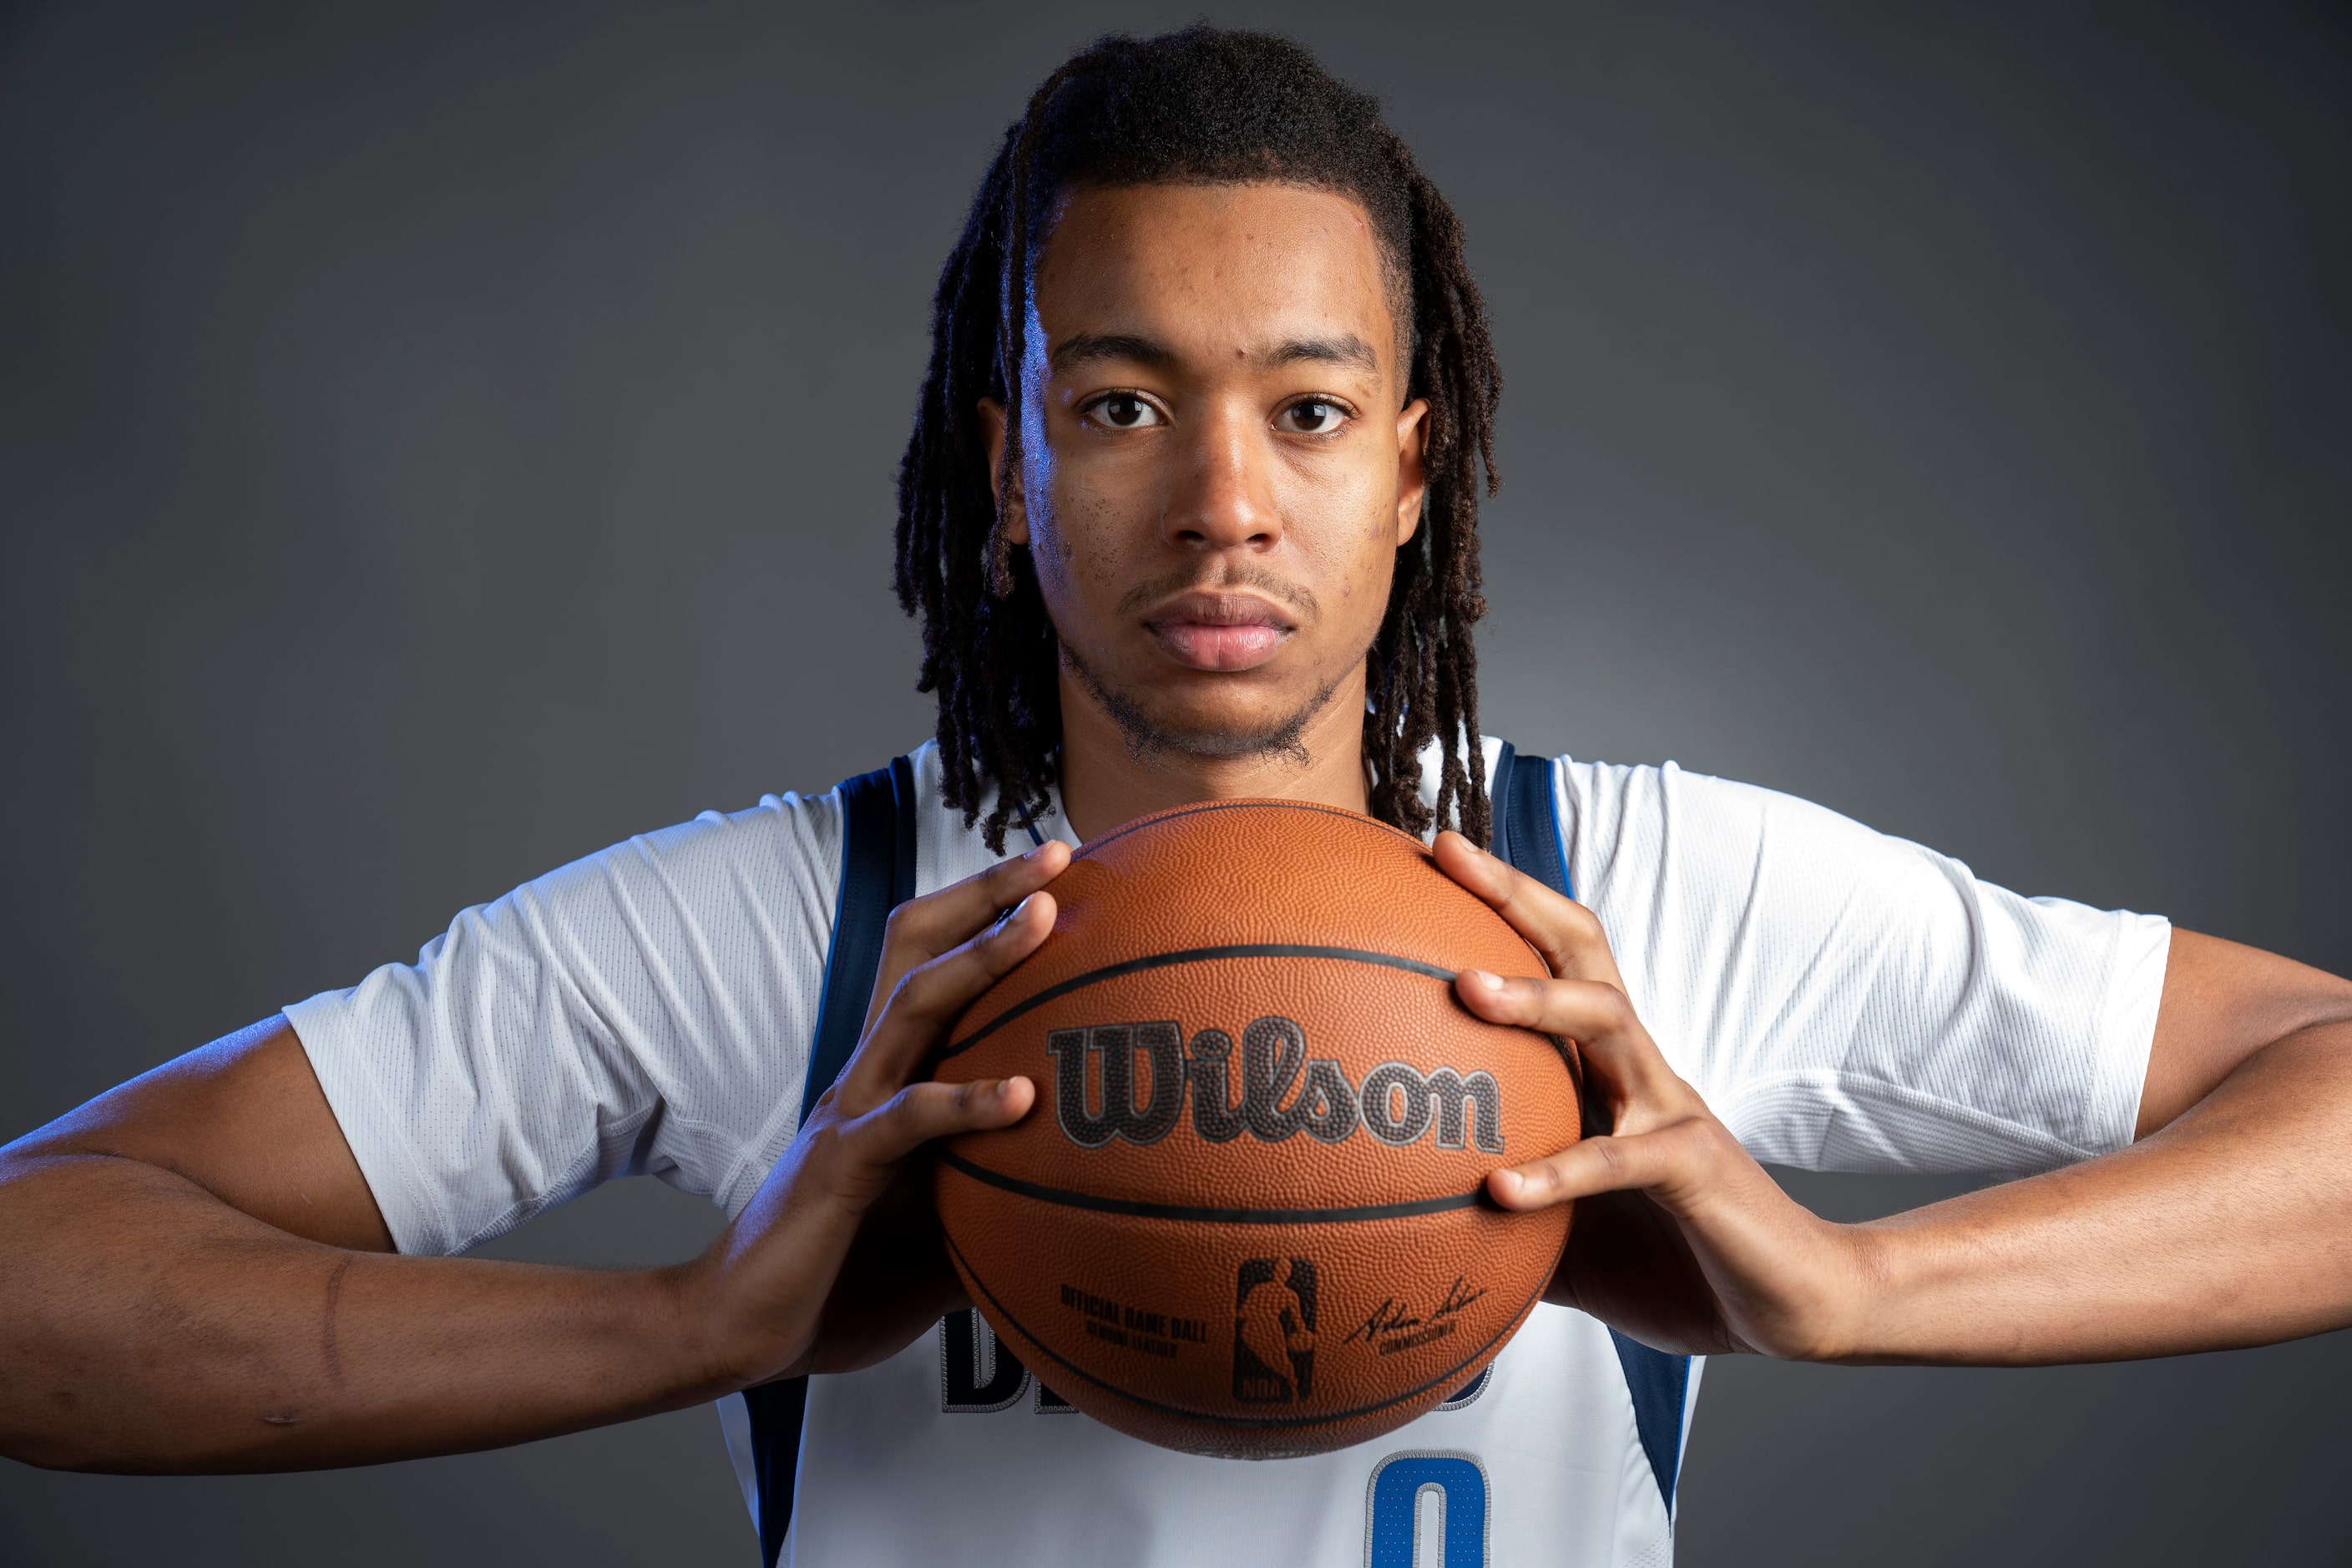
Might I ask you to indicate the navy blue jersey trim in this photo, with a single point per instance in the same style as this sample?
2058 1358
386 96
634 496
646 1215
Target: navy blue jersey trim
878 823
872 841
1526 820
1528 835
777 1410
1660 1384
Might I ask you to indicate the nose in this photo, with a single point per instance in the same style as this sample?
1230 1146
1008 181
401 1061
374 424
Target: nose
1223 499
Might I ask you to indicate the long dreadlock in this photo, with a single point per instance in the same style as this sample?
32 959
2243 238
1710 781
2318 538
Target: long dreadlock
1203 104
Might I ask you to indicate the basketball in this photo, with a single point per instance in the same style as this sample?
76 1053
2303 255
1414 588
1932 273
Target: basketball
1246 1217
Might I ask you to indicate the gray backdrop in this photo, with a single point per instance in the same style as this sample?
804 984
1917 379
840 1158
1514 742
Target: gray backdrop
436 442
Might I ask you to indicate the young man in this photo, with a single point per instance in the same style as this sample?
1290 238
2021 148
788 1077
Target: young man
1189 512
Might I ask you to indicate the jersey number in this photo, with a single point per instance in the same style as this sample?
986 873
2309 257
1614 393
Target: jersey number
1394 1510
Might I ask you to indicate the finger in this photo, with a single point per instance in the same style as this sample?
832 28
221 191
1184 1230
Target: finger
922 1111
926 1001
1670 1161
1586 1011
1608 1036
938 921
1565 934
922 929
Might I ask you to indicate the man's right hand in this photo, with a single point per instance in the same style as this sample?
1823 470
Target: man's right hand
773 1289
195 1277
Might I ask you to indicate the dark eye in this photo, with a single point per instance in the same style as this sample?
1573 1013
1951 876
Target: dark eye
1125 411
1314 417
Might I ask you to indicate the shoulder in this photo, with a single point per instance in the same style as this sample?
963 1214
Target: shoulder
788 845
1626 816
1614 809
1684 863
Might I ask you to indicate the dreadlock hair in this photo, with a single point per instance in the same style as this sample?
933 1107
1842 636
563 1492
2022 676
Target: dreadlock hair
1203 105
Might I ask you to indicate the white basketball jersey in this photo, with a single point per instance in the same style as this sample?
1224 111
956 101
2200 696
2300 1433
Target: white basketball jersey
1539 1465
1844 1000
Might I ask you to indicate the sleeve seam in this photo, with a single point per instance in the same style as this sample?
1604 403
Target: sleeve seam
382 1140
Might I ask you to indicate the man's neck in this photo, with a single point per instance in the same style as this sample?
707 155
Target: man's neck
1105 783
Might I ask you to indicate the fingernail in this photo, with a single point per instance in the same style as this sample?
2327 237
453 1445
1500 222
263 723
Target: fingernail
1484 980
1510 1183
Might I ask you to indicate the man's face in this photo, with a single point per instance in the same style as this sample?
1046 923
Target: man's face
1218 463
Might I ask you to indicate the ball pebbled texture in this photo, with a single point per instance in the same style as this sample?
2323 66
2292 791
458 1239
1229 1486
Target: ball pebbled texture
1246 1215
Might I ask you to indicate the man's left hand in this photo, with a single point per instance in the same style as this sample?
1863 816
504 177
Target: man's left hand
1681 1239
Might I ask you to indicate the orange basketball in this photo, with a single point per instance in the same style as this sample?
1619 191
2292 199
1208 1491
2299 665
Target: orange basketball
1245 1217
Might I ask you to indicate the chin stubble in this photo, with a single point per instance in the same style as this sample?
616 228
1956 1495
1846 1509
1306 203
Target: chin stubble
1153 744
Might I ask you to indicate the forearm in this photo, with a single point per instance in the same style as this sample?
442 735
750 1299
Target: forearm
2230 1227
146 1326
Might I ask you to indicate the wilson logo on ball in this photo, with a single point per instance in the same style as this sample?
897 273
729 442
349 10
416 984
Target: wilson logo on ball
1396 1102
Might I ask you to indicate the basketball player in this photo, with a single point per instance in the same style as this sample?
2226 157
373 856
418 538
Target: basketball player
1189 512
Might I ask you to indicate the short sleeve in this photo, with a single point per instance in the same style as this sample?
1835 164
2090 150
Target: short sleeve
1849 1001
645 1010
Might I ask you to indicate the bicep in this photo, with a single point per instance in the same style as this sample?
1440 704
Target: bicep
243 1117
2222 1002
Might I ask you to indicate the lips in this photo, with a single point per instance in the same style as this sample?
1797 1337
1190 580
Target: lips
1220 632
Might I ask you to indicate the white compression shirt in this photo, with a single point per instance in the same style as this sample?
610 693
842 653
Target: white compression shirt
1844 1000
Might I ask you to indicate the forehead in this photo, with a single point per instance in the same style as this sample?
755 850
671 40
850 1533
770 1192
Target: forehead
1214 268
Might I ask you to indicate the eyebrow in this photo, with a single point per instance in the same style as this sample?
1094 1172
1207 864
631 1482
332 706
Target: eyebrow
1087 348
1347 349
1090 348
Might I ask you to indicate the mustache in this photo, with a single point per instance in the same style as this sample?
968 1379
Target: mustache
1231 577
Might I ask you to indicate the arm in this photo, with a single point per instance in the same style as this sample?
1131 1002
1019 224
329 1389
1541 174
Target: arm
194 1276
2226 1224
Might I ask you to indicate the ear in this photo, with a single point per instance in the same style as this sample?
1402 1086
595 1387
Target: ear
1412 480
1017 519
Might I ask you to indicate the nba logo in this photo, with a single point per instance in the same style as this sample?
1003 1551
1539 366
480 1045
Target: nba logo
1273 1331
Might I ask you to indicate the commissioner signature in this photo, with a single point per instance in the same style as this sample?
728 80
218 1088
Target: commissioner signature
1394 1323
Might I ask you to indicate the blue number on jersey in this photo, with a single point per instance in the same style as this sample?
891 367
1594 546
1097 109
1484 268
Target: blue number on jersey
1392 1508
